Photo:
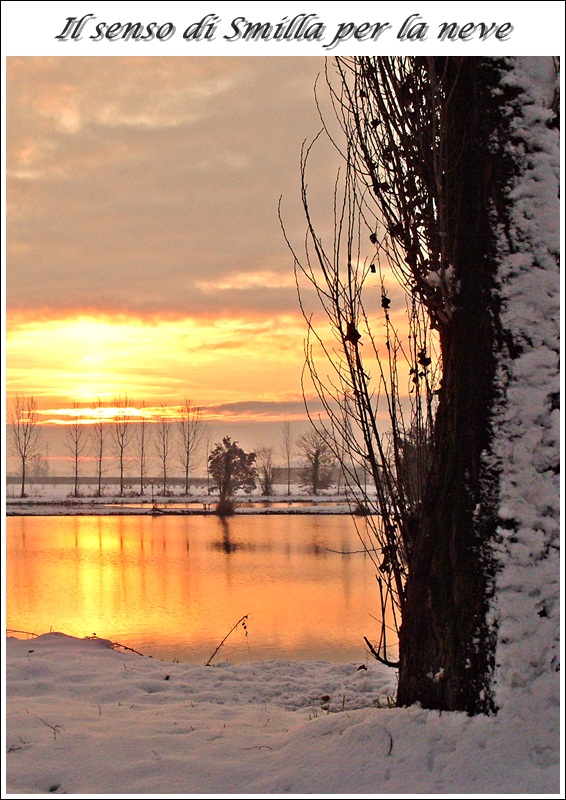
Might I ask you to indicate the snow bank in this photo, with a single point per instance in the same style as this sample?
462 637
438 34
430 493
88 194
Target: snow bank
84 718
527 607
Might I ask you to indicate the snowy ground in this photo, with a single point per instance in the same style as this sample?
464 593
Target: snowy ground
85 718
57 500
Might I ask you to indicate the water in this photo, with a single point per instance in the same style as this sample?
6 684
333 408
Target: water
173 587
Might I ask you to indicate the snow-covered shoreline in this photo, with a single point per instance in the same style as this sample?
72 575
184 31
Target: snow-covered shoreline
58 510
84 718
58 501
109 507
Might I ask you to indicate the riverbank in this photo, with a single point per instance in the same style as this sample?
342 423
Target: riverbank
57 500
117 506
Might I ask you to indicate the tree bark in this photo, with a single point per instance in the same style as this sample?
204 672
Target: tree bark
446 644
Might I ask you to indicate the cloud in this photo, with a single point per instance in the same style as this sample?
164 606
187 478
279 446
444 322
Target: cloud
144 248
263 410
137 184
86 357
245 281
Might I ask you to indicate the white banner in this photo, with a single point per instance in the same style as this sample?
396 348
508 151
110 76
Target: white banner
282 29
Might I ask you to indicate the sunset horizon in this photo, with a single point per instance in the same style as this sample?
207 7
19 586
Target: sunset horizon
144 250
151 205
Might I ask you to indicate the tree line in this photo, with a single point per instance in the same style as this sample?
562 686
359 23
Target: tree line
174 441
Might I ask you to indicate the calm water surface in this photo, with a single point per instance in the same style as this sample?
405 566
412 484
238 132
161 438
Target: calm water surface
172 587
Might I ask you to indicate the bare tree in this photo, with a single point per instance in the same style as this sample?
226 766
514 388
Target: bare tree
163 442
122 433
376 206
287 447
265 469
425 182
142 438
76 442
25 434
98 435
208 439
39 466
190 425
318 461
364 417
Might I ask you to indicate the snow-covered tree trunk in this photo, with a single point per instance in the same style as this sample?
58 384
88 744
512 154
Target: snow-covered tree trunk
446 644
488 523
457 158
525 610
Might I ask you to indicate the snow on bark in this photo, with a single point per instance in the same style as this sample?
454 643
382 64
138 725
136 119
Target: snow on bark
526 608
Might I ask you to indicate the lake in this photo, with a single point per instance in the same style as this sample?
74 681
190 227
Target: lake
173 586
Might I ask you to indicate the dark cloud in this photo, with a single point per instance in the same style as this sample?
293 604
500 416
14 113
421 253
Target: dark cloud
257 409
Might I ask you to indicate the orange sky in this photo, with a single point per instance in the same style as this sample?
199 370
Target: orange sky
215 362
144 250
145 254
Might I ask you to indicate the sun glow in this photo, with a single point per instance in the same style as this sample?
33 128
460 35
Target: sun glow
92 360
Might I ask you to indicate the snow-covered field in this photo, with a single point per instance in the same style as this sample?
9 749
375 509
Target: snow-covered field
84 718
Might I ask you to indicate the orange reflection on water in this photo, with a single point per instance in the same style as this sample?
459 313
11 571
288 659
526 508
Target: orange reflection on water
173 586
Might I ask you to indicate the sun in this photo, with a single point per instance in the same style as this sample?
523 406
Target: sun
89 359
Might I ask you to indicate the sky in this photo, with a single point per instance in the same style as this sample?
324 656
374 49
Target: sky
143 246
145 254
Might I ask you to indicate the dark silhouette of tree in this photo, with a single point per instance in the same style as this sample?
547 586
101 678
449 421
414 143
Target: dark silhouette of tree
25 434
163 442
431 146
412 458
207 437
231 470
265 470
318 461
76 442
142 439
191 430
98 435
287 447
39 466
121 433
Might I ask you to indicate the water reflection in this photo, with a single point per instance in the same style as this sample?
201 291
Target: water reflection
225 544
171 586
